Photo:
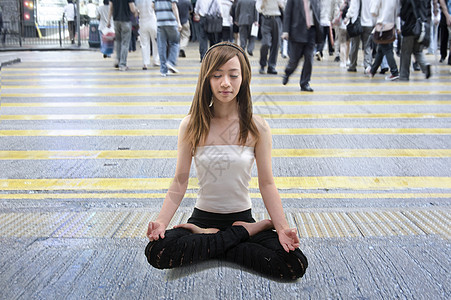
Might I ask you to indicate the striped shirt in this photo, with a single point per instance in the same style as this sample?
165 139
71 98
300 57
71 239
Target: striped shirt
163 11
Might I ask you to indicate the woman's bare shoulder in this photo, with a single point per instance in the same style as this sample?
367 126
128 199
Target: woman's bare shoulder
260 122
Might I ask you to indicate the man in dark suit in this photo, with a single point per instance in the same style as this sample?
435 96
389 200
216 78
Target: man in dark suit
302 29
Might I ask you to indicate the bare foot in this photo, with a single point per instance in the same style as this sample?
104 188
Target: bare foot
254 228
196 229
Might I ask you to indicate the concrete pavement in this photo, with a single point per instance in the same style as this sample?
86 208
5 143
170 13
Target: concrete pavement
86 153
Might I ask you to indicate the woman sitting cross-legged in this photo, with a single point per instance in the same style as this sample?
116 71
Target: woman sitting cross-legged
224 138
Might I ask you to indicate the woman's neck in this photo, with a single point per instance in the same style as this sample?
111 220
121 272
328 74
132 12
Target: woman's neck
225 111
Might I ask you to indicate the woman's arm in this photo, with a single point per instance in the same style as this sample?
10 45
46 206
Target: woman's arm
177 188
287 236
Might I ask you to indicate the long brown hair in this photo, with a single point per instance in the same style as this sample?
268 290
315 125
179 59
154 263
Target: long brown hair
201 112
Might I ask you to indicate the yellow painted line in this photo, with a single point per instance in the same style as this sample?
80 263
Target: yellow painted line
257 103
361 153
98 117
275 131
333 131
41 196
323 182
84 78
167 154
152 92
105 154
181 116
153 84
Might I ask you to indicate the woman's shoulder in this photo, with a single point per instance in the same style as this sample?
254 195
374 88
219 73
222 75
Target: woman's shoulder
185 121
260 122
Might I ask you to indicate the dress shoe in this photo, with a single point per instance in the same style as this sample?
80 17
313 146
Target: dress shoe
383 71
416 66
352 70
427 73
250 53
272 71
262 70
182 53
284 79
306 88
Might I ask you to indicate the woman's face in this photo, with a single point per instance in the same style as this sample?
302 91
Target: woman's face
225 82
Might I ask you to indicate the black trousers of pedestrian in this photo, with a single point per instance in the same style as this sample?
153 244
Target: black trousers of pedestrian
326 35
299 50
261 252
271 30
444 36
387 51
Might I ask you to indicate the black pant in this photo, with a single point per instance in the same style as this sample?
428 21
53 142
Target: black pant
261 252
444 35
326 34
299 50
387 51
271 30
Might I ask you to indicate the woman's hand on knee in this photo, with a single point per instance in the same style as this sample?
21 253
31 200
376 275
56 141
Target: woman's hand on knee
289 239
155 231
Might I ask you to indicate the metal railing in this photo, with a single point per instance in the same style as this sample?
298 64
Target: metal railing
52 34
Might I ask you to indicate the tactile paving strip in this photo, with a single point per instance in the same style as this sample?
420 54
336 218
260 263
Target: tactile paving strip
127 224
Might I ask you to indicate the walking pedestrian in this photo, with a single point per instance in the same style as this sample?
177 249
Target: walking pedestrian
444 35
91 10
410 44
227 21
246 16
360 8
271 30
102 13
302 30
185 8
344 40
168 34
203 8
221 225
386 12
435 21
70 12
446 9
148 33
327 10
121 11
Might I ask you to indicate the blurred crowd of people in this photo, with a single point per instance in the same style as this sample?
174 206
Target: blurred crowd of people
309 28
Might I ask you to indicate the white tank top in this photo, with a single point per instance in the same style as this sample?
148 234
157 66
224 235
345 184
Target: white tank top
224 172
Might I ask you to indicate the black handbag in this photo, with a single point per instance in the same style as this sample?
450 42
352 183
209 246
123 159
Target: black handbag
384 33
213 22
355 29
422 29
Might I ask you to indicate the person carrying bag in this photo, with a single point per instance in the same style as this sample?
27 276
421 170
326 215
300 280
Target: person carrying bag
355 29
213 20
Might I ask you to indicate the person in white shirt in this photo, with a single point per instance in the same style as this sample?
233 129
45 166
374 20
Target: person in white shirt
271 30
202 8
91 9
148 32
102 15
69 14
367 21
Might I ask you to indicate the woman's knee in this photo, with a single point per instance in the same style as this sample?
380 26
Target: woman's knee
160 253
